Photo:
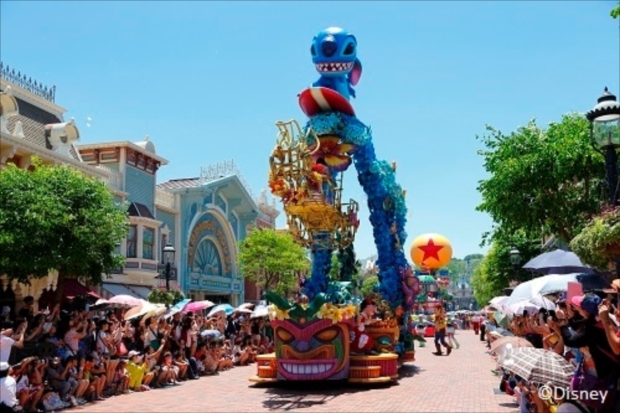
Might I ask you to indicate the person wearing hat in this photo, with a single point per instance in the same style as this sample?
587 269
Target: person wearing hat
137 369
8 389
598 360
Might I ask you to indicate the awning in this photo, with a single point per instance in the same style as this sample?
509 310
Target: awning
72 288
140 290
118 289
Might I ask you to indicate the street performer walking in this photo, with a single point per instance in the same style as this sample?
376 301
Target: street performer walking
440 331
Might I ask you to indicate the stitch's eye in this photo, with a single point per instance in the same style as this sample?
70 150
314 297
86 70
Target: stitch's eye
349 50
313 50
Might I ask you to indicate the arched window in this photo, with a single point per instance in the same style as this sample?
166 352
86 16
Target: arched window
207 259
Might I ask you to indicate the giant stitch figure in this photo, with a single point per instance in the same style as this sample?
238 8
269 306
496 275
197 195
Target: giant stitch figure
334 54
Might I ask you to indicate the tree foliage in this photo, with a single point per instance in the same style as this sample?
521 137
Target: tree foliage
549 180
495 271
599 242
615 12
272 260
56 218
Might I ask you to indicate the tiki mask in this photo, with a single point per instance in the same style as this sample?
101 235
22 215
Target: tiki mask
316 350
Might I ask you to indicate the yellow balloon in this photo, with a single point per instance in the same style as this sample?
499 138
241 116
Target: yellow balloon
431 251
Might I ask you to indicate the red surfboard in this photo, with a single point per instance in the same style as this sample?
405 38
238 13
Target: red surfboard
315 100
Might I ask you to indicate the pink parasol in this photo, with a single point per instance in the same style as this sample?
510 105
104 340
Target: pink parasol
195 306
126 300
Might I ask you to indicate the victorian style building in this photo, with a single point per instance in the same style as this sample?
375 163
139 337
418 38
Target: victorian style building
202 218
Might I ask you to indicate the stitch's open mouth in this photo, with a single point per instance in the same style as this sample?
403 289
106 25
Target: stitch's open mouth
333 67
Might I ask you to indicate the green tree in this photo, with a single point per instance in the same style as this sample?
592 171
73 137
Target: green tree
56 218
272 260
495 271
615 12
455 268
549 180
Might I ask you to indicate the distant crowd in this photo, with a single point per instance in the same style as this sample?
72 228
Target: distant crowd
71 355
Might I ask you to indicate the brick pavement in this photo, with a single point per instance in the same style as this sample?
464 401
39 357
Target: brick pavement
461 382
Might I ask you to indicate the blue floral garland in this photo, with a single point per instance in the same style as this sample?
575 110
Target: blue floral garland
385 201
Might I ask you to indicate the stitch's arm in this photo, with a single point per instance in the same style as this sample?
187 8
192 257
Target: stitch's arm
351 91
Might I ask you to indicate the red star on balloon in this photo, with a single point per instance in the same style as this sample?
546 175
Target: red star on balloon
431 250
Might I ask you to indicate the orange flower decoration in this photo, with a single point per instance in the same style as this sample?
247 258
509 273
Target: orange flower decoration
334 153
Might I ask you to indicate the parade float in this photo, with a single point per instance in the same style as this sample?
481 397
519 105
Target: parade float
317 336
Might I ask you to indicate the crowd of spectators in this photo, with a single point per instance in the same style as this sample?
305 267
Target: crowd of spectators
584 330
68 356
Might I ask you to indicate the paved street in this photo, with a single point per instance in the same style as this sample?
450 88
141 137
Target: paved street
461 382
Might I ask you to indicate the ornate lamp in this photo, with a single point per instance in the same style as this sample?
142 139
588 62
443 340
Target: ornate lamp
604 121
168 254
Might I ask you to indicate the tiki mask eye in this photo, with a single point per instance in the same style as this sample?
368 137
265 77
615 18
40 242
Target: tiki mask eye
284 335
327 334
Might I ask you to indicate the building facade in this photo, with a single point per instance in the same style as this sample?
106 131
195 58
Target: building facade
33 125
216 210
136 165
203 218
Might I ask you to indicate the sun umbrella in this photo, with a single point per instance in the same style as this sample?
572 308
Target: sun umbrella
125 299
501 318
145 309
177 308
532 305
103 303
508 342
242 311
557 262
227 308
548 284
539 365
260 311
248 306
211 334
497 302
196 306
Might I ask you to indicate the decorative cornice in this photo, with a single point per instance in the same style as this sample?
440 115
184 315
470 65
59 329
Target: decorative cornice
124 144
33 99
49 155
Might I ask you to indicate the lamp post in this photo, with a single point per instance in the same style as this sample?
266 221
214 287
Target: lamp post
515 260
168 253
604 121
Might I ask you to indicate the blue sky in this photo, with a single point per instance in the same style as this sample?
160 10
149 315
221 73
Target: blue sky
207 80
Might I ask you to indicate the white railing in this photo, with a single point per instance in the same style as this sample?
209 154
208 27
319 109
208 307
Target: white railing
222 170
164 198
115 178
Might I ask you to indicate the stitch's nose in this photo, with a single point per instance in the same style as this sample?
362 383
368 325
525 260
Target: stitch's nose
329 47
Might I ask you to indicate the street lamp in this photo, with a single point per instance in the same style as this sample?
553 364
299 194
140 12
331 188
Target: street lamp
515 260
604 121
168 253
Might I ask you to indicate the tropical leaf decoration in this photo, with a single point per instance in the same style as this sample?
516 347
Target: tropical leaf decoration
319 307
280 302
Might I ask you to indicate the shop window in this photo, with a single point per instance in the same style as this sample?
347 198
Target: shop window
132 241
147 243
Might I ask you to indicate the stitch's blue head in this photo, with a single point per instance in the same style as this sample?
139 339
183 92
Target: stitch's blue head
334 52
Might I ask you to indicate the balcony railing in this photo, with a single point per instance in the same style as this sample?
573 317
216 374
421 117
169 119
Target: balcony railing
115 178
164 198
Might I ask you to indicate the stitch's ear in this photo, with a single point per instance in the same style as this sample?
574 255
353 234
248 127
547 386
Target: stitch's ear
356 73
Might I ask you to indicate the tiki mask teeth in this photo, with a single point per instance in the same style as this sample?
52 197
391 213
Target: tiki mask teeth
306 369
